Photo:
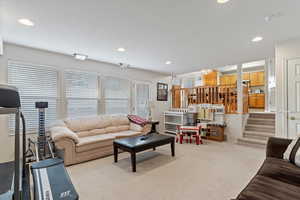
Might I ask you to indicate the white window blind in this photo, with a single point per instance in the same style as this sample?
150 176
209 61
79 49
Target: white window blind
142 100
81 93
35 83
117 95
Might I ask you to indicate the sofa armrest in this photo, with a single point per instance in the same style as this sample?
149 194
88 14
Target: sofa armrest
66 149
146 129
277 146
59 132
143 129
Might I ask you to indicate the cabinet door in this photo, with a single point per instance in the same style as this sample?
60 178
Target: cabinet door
225 80
253 79
246 76
233 79
252 101
260 78
221 80
260 101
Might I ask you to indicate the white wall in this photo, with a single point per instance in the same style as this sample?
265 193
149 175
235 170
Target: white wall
41 57
235 124
283 52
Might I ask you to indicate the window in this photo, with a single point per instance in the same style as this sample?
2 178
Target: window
81 93
116 95
35 83
142 100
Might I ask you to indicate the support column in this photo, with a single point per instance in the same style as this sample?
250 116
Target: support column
239 89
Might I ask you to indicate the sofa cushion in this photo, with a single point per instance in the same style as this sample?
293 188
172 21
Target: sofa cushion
123 134
114 129
137 120
281 170
292 153
265 188
88 123
83 133
94 142
103 122
59 132
81 124
118 120
98 131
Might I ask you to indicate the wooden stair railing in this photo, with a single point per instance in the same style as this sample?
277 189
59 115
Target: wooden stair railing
222 94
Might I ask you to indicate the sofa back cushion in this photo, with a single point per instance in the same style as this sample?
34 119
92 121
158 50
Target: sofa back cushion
118 120
98 125
88 123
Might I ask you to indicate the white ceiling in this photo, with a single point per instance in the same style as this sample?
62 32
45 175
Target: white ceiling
193 34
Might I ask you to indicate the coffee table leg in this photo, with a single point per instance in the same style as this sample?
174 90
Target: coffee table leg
116 153
133 161
154 148
173 148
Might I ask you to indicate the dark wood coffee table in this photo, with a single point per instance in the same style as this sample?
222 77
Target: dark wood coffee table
137 144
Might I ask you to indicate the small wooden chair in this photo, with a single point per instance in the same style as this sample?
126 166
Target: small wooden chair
189 132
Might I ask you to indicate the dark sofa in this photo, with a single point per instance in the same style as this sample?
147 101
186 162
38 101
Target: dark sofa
277 179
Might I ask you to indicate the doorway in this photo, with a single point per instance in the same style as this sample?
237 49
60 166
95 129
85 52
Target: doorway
293 97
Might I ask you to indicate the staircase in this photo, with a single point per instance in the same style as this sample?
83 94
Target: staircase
259 127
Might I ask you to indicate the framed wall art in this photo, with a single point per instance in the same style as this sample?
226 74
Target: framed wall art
162 92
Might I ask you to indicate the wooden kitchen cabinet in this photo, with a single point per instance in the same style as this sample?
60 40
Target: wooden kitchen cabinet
176 96
246 76
257 78
260 100
256 100
233 79
252 100
210 79
228 79
261 78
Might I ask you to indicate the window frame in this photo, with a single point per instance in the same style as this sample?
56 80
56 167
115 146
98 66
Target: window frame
134 93
66 99
57 98
104 99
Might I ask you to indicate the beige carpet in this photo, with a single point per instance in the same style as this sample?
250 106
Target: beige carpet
212 171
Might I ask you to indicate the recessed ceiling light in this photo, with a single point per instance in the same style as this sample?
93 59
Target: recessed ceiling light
26 22
168 62
80 56
121 49
257 39
222 1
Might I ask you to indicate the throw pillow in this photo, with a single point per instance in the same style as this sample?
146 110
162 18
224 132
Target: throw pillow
137 120
292 153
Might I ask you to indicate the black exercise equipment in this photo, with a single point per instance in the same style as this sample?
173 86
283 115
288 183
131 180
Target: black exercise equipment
51 181
14 175
42 148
